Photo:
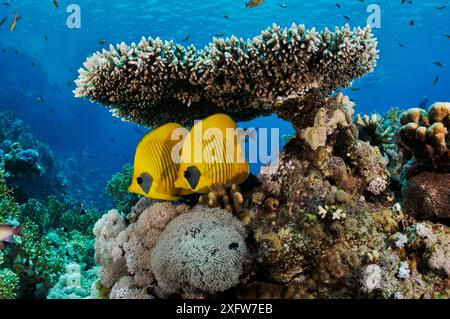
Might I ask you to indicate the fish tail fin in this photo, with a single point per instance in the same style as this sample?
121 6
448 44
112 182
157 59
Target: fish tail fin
18 231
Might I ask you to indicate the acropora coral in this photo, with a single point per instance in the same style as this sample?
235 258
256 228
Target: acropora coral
155 82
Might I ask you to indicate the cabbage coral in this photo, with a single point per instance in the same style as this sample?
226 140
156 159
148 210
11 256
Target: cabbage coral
155 82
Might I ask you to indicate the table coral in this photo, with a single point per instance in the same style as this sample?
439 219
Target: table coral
155 82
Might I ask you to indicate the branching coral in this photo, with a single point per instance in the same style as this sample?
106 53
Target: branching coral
117 188
9 284
154 82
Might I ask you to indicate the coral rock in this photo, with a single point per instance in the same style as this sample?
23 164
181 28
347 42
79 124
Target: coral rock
427 195
426 135
201 251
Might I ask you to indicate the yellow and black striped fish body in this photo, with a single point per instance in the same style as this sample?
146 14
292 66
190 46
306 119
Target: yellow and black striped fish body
154 169
212 154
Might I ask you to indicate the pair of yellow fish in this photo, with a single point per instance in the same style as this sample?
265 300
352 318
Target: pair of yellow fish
208 156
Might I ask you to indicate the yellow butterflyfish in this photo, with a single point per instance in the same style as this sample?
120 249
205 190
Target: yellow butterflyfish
155 170
212 153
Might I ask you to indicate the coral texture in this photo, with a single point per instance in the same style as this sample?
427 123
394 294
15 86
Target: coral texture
155 82
426 135
427 195
203 251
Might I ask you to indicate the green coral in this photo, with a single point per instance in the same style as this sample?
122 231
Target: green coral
117 188
75 283
8 207
57 214
9 284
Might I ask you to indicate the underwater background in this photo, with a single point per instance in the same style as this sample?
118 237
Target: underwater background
81 145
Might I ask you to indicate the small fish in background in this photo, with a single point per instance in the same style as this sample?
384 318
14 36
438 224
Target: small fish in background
440 7
447 36
436 80
33 64
45 38
138 130
40 99
401 45
438 64
69 83
14 23
424 103
4 50
102 42
346 18
186 38
338 5
6 4
16 52
407 1
226 16
113 140
7 233
411 23
219 34
253 3
355 89
3 21
56 3
283 5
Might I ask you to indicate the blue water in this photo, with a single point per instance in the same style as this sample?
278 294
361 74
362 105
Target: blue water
100 144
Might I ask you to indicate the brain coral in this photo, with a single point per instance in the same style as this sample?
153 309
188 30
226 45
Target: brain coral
203 251
426 135
155 82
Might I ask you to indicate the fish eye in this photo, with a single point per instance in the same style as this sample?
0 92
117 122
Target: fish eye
187 174
139 180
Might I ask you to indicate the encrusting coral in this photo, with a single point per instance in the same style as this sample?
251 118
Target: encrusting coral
155 82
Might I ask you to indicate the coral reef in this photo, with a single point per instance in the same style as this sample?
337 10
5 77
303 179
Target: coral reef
53 240
322 221
155 82
200 252
218 196
426 135
29 166
424 140
75 284
427 195
148 255
382 131
117 188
